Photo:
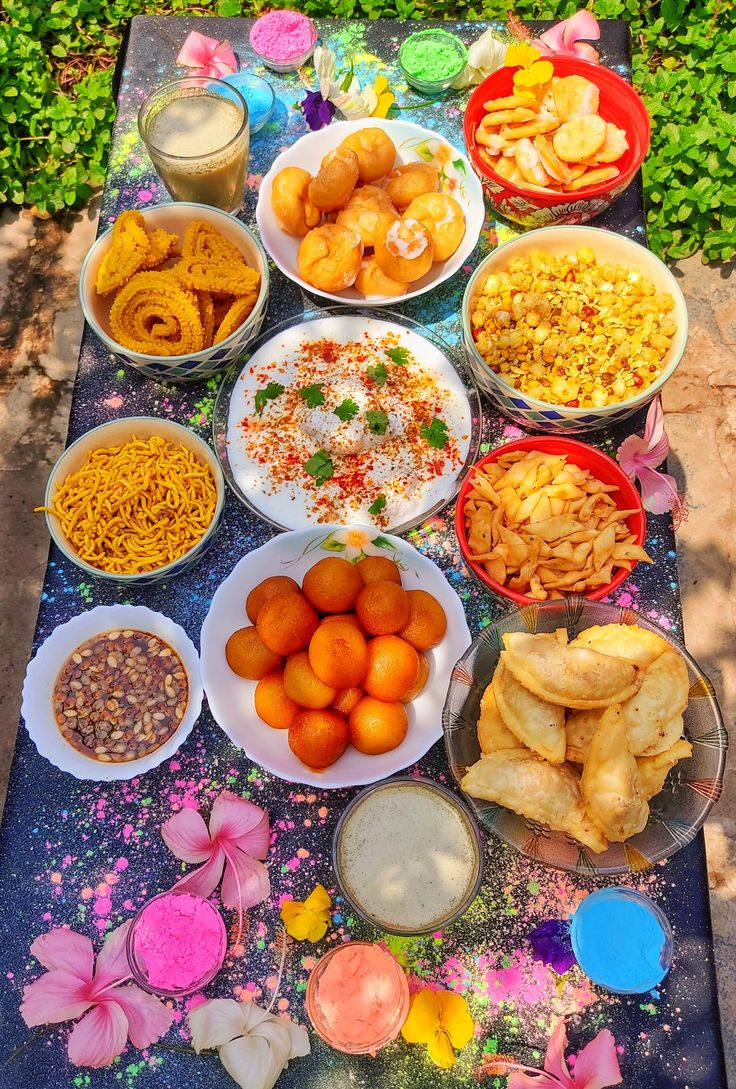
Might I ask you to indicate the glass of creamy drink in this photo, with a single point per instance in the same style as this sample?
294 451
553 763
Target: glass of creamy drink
196 132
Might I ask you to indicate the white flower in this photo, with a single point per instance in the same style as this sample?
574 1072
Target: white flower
353 103
254 1046
484 57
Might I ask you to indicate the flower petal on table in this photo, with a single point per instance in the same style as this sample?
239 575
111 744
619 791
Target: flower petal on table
520 1080
216 1022
253 1062
204 879
659 492
423 1019
112 959
440 1050
55 996
245 882
554 1060
99 1036
148 1018
186 836
596 1066
455 1018
62 948
240 822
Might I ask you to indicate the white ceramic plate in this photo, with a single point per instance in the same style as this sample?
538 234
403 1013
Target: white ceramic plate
410 497
413 145
37 711
231 697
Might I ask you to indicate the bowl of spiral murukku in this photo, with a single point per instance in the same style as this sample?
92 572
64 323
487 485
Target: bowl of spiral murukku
175 291
135 501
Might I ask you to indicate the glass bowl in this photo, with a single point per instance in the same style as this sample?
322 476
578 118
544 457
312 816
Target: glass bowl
434 86
137 966
340 315
258 94
676 814
295 63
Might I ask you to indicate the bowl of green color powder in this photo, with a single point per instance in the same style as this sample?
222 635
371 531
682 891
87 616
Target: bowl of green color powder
431 59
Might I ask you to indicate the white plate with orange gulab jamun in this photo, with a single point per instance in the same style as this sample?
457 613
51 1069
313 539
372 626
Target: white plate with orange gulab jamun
326 655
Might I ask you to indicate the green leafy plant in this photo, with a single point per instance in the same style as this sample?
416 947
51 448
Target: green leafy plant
56 108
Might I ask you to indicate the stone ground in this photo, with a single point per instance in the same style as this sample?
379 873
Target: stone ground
40 331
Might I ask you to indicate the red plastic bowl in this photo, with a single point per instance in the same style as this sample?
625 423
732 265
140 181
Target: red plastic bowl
585 457
619 104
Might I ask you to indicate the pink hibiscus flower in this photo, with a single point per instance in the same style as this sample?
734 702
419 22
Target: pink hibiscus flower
596 1066
639 458
73 984
206 56
238 836
563 39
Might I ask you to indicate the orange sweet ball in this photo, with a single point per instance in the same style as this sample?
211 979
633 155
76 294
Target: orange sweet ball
378 569
247 655
427 621
382 608
303 686
318 738
421 679
286 623
377 727
338 654
393 668
272 703
271 587
332 585
345 701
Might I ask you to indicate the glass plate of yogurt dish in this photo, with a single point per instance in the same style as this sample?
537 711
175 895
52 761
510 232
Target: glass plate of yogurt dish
347 417
248 691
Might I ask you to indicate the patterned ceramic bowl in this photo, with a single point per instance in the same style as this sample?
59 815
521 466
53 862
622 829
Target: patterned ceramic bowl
619 104
175 217
608 247
676 814
110 434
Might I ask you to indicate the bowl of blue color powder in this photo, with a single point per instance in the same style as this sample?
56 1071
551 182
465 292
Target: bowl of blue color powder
622 940
258 93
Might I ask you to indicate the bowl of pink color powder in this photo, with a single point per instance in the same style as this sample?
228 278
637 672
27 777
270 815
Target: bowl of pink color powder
283 40
177 944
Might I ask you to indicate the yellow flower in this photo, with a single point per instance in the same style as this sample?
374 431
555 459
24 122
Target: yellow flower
521 55
439 1019
307 921
536 75
385 98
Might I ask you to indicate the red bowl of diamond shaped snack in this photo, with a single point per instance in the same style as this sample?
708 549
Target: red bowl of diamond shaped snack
619 105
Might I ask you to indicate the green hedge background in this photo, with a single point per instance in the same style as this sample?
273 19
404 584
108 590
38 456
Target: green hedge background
56 109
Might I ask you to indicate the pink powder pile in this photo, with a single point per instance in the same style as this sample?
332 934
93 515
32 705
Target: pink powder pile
178 941
282 36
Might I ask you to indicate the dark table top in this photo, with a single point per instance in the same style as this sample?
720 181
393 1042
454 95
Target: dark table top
88 855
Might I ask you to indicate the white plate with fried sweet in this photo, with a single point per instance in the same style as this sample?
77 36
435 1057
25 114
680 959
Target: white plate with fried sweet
583 735
373 211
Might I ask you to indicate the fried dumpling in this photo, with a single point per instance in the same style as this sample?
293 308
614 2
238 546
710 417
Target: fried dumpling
653 770
579 729
628 641
610 783
654 714
549 793
538 724
492 733
569 676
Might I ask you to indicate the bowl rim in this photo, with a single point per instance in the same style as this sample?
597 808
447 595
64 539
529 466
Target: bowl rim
60 539
529 443
530 401
601 188
203 354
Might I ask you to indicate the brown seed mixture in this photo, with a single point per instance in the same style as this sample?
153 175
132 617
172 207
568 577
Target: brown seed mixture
120 696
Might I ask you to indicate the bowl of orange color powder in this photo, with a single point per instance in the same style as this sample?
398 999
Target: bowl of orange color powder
357 998
177 944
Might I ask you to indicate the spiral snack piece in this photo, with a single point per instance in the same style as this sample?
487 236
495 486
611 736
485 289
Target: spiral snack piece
129 248
234 316
202 240
155 315
223 277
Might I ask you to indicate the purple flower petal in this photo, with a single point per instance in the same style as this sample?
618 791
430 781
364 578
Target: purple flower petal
551 944
318 111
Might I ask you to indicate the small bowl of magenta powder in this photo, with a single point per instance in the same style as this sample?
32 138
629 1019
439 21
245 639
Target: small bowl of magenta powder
177 944
283 40
622 940
431 59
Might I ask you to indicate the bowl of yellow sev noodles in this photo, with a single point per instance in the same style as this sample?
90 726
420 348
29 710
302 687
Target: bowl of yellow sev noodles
135 501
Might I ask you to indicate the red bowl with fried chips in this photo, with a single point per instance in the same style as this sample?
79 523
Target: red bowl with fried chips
600 465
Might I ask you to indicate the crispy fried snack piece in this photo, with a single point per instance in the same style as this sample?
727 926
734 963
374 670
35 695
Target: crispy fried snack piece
235 315
226 277
654 714
569 676
493 734
653 770
202 240
610 783
530 786
579 728
538 724
129 248
161 245
629 641
207 314
156 315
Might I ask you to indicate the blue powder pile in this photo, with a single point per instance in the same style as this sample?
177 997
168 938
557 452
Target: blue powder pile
619 941
259 95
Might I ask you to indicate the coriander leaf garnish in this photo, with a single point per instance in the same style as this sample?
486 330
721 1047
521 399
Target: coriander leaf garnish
378 374
435 433
320 466
313 395
270 393
377 422
347 410
377 505
399 356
